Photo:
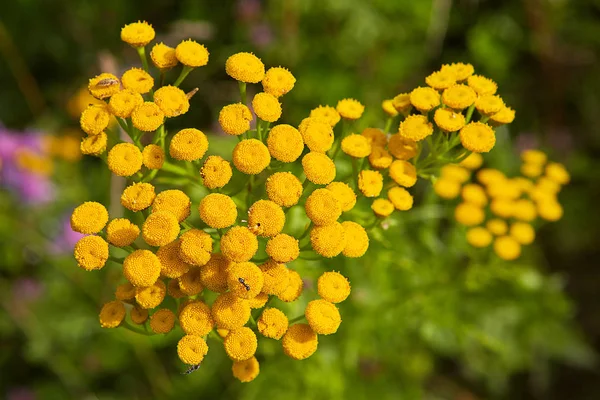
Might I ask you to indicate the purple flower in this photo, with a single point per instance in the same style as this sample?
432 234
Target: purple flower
66 239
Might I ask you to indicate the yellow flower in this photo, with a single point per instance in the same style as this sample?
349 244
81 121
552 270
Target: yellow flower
482 85
333 287
265 218
153 156
460 71
522 232
147 117
415 127
507 248
278 81
162 321
276 277
531 170
195 247
356 146
524 210
350 109
163 56
375 136
401 148
188 145
549 209
245 67
191 54
266 106
247 370
89 217
533 156
322 207
121 232
235 119
424 99
172 101
141 268
326 113
489 104
137 34
251 156
112 314
497 226
403 173
477 137
230 312
239 244
196 319
357 240
472 162
446 188
138 196
323 317
245 280
388 108
441 80
214 274
382 207
190 282
94 119
504 188
137 80
284 189
171 263
173 289
104 85
455 172
285 143
400 198
370 183
124 102
343 194
474 193
124 159
216 172
502 207
240 344
217 210
272 323
317 134
299 342
94 145
191 349
448 120
151 296
459 97
318 168
479 237
294 288
557 172
91 252
259 301
329 240
489 176
138 315
125 291
506 115
160 228
402 103
283 248
469 214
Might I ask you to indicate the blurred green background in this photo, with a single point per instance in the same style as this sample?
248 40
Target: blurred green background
422 322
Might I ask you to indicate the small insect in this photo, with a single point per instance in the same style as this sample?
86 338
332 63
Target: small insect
243 282
106 82
191 369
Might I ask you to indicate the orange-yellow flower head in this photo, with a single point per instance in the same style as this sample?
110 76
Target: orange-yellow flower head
350 109
400 198
94 119
247 370
375 136
90 217
402 103
217 210
125 291
151 296
343 194
357 146
323 317
266 106
191 349
459 97
124 159
329 240
357 241
141 268
123 103
266 218
333 287
506 115
461 71
216 172
326 113
479 237
230 311
293 289
482 85
138 315
163 56
147 117
214 274
239 244
557 173
172 101
137 34
94 145
441 80
278 81
91 252
121 232
447 188
153 156
245 67
137 80
469 214
477 137
240 344
449 120
196 319
317 133
424 99
299 342
188 145
472 162
283 248
284 189
190 283
174 201
235 119
285 143
415 127
276 277
403 173
507 248
474 193
322 208
489 104
162 321
160 228
318 168
272 323
401 148
138 196
497 226
171 263
370 183
112 314
191 54
382 207
195 247
245 280
251 156
104 85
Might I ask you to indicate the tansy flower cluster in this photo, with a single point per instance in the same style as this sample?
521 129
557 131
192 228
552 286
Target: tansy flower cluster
501 210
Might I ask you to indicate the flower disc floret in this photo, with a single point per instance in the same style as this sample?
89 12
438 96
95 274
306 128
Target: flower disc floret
121 232
137 34
191 349
272 323
251 156
138 196
239 244
284 189
278 81
318 168
266 106
265 218
217 210
357 146
91 252
299 342
188 145
235 119
147 117
230 311
285 143
216 172
141 268
89 217
160 228
191 53
350 109
329 240
333 287
357 240
245 67
323 317
112 314
252 278
477 137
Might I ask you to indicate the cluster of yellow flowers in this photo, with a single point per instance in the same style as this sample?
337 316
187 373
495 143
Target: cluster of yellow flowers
501 209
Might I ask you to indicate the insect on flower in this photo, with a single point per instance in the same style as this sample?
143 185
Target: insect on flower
243 282
191 369
107 82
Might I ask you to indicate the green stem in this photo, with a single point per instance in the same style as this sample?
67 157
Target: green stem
116 259
298 318
142 53
184 72
129 327
242 86
470 113
388 124
355 173
306 230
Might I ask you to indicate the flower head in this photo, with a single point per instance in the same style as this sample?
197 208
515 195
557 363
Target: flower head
283 188
333 287
124 102
112 314
172 101
239 244
370 183
388 107
191 349
138 315
327 114
191 54
299 342
266 106
137 80
472 162
91 252
240 344
138 196
272 323
477 137
469 214
329 240
482 85
151 296
322 208
153 156
94 119
89 217
357 146
506 115
104 85
382 207
375 136
402 103
251 156
172 264
245 280
94 145
424 99
147 117
507 248
245 67
350 109
317 134
125 291
448 120
343 194
459 97
557 173
323 317
124 159
400 198
195 247
141 268
190 283
278 81
489 104
403 173
474 193
160 228
357 240
293 289
214 274
461 71
247 370
235 119
265 218
196 319
402 148
441 80
121 232
137 34
216 172
163 56
447 188
285 143
283 248
188 144
318 168
217 210
230 311
479 237
276 277
162 321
